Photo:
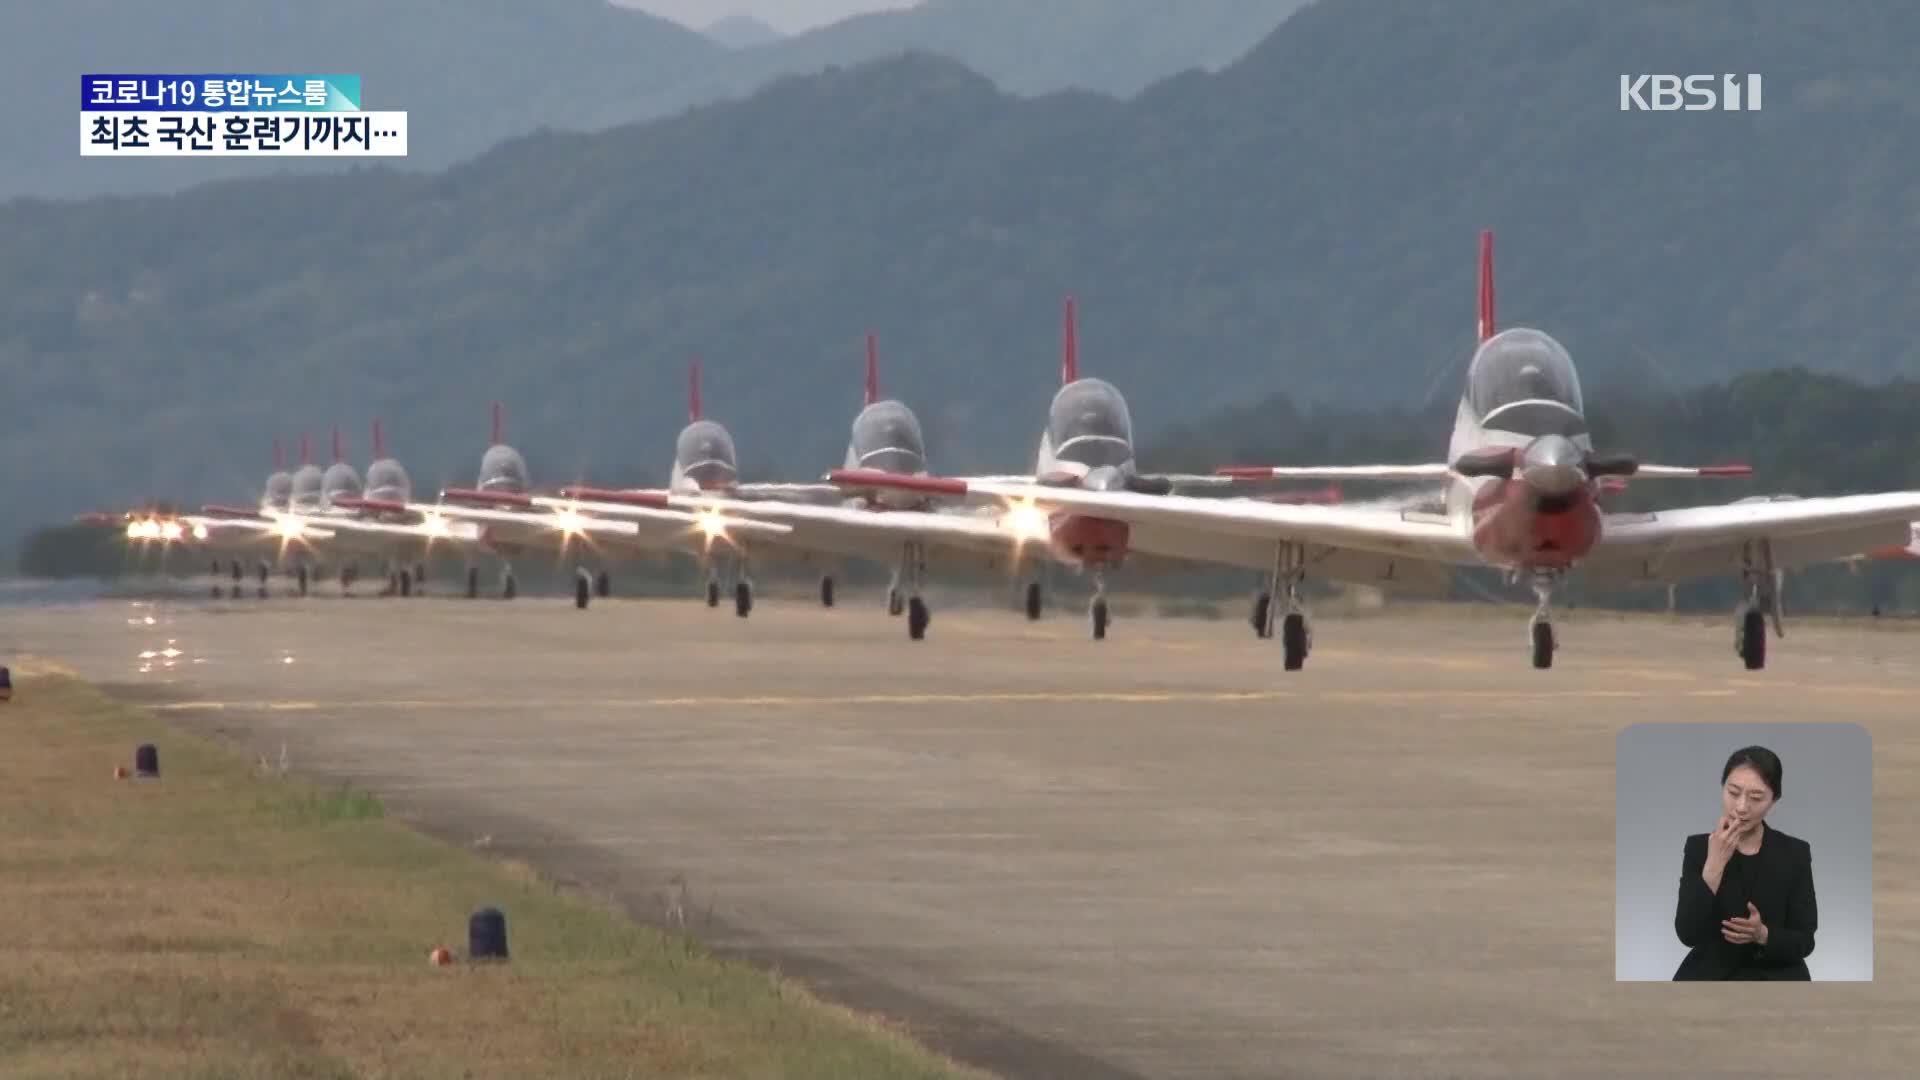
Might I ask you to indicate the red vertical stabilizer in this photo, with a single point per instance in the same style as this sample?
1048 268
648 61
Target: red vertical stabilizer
499 425
1486 284
1070 349
693 391
379 441
873 369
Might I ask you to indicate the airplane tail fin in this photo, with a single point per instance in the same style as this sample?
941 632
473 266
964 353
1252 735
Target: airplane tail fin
1486 284
499 425
379 440
873 369
693 391
1070 348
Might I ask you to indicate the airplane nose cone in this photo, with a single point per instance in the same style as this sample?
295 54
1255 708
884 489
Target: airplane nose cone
1552 465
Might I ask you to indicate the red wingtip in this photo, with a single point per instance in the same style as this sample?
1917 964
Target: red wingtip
499 424
379 440
873 369
656 500
693 391
877 478
1070 354
1245 472
1726 470
1486 284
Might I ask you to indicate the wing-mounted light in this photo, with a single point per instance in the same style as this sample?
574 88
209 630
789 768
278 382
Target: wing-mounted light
1027 521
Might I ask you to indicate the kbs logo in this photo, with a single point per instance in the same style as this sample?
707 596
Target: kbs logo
1694 93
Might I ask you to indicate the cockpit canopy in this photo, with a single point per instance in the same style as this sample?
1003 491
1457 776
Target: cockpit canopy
704 451
503 469
886 436
1523 381
387 481
305 494
279 490
1088 423
341 479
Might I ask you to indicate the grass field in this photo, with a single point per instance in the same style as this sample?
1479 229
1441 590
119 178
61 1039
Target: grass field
227 922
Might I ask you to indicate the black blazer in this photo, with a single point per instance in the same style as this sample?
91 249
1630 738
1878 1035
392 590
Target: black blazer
1778 879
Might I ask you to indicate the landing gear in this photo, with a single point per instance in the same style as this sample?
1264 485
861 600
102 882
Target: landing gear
346 581
300 579
1033 601
1280 601
713 593
264 571
743 598
406 583
912 572
473 582
896 603
509 587
1540 627
1097 611
826 591
420 577
1762 584
603 584
582 589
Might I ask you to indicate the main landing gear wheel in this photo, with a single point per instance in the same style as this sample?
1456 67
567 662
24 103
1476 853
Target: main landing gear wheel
300 579
406 583
1261 605
1033 601
895 602
826 592
1293 640
1098 615
1750 639
582 589
473 582
603 584
742 599
1543 645
917 618
713 594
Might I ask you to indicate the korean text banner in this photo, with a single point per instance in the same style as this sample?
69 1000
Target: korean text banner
219 93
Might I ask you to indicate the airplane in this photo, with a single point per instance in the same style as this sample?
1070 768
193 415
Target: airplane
1522 485
514 521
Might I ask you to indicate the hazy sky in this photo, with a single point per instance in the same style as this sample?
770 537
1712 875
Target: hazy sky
787 15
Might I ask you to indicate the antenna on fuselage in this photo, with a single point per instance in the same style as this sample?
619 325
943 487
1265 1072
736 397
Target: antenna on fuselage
1486 284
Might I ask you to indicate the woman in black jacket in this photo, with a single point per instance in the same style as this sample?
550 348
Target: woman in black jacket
1746 907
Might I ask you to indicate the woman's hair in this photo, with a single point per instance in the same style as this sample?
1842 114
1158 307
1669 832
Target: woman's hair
1761 760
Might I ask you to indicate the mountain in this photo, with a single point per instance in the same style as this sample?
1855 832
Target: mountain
471 73
1301 221
742 32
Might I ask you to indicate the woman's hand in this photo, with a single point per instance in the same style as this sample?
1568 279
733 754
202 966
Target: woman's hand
1747 931
1723 841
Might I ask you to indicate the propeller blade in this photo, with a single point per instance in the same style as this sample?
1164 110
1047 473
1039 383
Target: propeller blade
1612 465
1496 462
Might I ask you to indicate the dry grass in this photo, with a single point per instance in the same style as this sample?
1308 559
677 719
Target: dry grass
223 922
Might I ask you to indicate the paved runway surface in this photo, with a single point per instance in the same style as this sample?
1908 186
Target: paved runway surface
1158 855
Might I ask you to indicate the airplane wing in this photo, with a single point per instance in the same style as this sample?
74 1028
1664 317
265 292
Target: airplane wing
979 541
1672 545
1440 470
1355 545
548 521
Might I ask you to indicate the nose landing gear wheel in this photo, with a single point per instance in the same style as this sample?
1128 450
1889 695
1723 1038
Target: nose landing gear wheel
713 594
917 618
1033 601
603 584
826 592
300 580
582 590
1543 645
1098 615
742 599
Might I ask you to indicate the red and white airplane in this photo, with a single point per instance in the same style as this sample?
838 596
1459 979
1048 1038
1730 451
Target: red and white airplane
1522 487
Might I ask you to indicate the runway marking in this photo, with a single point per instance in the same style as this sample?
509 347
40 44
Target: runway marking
1225 697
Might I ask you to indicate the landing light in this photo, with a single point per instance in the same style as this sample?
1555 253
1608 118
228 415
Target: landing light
436 525
290 527
569 521
199 532
170 531
712 524
1027 521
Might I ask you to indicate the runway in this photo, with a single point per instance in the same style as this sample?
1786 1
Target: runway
1157 855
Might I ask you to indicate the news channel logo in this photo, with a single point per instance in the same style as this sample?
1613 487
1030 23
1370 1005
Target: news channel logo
214 115
1690 93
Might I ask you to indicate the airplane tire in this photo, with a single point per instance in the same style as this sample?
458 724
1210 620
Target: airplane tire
1543 645
895 602
826 592
713 594
603 584
1293 641
1261 605
1752 640
473 582
582 590
406 583
1033 601
300 579
509 588
1099 616
742 599
917 618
